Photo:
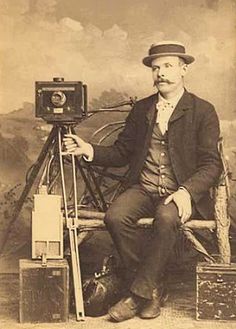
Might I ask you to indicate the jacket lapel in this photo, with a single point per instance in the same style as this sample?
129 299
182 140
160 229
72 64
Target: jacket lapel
184 104
150 116
151 111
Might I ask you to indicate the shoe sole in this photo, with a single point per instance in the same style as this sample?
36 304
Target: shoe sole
113 317
149 317
162 303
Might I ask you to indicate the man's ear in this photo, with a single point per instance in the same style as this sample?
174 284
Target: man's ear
184 69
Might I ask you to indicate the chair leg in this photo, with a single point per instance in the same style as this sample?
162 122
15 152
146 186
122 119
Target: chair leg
197 245
222 224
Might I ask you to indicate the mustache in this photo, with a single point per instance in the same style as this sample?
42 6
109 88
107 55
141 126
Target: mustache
162 80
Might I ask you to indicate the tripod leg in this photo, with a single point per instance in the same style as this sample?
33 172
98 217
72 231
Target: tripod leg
71 225
103 206
79 304
28 185
77 276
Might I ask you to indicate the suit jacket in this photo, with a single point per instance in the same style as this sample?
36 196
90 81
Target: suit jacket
193 134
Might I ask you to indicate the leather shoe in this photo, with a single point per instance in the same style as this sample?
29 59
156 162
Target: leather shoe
126 308
152 308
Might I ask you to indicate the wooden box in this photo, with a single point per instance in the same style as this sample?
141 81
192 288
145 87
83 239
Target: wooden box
216 292
44 291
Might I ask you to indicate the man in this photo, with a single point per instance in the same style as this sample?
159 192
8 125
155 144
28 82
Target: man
170 141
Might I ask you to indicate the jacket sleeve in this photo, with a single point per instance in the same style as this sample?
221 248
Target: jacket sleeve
120 153
209 164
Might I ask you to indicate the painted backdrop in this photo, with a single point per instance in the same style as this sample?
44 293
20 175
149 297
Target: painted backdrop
103 42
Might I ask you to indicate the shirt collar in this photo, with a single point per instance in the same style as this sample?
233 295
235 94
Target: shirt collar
174 100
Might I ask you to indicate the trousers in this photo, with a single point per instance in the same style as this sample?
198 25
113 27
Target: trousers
147 262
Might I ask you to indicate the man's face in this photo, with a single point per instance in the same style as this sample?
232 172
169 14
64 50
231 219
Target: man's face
168 73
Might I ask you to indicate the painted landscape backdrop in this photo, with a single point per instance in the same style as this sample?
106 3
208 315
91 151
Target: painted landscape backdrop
102 43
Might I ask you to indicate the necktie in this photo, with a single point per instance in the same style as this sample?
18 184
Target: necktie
164 112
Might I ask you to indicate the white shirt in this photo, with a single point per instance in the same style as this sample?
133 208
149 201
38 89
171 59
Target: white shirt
165 109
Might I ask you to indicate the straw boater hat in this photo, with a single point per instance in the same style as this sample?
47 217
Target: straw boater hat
167 48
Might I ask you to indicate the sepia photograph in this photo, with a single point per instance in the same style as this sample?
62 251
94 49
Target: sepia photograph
117 164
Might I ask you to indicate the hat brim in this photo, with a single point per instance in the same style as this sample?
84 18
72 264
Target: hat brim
148 60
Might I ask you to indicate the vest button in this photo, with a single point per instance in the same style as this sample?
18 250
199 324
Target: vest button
162 166
162 154
163 176
163 190
163 142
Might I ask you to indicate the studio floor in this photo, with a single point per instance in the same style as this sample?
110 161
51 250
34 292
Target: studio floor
178 313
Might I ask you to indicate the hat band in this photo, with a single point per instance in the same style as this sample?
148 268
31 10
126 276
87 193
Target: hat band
160 49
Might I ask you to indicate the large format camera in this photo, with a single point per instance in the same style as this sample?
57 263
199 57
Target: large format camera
60 101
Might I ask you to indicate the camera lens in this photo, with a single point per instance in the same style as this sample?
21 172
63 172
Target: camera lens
58 98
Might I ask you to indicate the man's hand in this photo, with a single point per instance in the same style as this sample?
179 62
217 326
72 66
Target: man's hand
77 146
182 199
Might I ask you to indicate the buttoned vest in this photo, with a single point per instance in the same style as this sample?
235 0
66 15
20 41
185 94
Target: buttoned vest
157 175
